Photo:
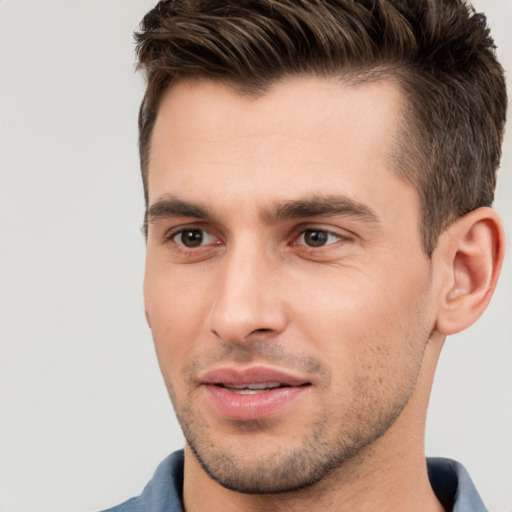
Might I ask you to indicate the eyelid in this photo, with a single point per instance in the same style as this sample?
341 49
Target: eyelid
171 234
340 234
206 241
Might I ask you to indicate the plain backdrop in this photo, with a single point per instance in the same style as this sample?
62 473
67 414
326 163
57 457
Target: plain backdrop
85 418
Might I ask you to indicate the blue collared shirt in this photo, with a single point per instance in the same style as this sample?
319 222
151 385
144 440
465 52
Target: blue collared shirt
448 478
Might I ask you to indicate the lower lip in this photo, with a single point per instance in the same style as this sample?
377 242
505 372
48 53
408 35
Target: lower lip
238 406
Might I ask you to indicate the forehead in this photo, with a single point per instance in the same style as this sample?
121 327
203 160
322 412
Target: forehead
297 106
305 135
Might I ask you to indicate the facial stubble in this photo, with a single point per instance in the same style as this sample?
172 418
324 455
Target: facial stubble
329 441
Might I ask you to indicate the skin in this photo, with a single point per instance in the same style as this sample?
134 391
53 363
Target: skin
357 314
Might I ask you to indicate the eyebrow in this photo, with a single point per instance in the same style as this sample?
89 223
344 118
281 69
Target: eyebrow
316 206
322 206
173 207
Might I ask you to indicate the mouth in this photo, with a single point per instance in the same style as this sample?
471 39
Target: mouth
254 389
252 393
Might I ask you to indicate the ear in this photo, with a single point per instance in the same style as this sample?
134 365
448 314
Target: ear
468 260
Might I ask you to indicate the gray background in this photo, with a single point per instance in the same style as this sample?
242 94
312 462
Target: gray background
85 418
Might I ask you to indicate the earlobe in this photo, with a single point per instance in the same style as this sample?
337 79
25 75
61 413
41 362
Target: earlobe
470 253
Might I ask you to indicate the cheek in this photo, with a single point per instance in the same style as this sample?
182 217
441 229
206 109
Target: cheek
176 309
373 344
357 317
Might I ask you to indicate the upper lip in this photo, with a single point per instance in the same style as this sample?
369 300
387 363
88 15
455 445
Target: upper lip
252 375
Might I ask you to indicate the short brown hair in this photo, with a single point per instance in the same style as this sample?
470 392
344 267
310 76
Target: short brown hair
439 52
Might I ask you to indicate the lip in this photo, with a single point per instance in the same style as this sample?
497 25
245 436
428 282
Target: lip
252 393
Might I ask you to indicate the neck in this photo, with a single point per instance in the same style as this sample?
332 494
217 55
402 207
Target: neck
389 474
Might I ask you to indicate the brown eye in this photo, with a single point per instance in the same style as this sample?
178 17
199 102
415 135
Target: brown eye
315 237
191 237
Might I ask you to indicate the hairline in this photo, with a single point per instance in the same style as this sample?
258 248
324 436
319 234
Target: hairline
408 161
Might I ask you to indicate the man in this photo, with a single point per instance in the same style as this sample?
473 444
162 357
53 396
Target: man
318 177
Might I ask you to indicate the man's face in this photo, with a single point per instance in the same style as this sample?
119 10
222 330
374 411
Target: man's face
286 288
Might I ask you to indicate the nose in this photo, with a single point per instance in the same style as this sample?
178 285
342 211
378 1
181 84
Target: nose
248 296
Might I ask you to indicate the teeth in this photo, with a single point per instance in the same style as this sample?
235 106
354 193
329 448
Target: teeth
252 388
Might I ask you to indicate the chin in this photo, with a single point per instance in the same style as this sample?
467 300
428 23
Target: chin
264 474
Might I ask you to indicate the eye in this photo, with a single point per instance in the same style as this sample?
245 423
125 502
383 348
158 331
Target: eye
193 237
317 238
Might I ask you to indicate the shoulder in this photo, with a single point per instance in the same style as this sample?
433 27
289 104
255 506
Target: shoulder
131 505
453 486
162 493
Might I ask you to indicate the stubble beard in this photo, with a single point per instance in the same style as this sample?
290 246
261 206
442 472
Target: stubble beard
337 436
318 456
326 446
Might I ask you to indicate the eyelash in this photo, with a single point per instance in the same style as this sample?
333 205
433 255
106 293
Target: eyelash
172 235
312 229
